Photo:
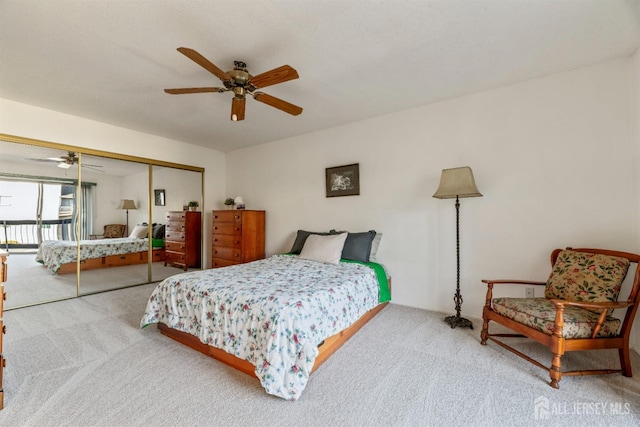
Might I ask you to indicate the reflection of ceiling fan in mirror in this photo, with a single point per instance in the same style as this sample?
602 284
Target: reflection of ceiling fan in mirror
241 83
65 162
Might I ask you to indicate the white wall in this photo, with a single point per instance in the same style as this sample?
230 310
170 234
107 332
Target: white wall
553 157
38 123
634 71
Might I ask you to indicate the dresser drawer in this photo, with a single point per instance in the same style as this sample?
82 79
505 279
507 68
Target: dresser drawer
227 228
234 254
227 216
175 226
175 216
219 262
174 236
174 247
227 240
175 257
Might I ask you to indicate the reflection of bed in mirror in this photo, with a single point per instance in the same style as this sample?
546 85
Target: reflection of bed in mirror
61 256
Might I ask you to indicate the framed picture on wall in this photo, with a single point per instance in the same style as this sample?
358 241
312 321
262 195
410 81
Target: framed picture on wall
159 197
343 180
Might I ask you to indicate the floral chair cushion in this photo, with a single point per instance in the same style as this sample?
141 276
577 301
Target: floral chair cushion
540 314
113 231
585 277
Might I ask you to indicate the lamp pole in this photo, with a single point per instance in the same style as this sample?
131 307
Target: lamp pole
457 320
457 182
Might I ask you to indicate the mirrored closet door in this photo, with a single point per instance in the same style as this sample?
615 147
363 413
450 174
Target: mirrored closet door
177 219
37 207
59 205
114 245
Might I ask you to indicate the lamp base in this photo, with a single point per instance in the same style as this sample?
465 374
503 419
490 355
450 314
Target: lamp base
455 321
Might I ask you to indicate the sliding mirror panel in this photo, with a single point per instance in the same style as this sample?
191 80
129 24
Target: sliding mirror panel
38 218
177 227
114 242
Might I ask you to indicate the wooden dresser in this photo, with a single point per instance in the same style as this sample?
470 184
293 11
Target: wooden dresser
183 239
3 278
238 237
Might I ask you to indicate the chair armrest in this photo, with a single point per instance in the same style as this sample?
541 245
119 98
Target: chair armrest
514 282
490 284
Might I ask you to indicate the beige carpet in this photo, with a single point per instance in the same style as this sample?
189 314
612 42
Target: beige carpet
85 362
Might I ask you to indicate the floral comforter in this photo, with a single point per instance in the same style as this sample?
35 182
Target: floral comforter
273 313
54 253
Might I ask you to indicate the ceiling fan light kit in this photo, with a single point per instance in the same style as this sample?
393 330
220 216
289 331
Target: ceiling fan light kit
241 83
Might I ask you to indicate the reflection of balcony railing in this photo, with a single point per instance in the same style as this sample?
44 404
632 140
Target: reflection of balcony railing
23 234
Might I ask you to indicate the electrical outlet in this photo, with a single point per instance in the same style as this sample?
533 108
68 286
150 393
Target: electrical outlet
528 292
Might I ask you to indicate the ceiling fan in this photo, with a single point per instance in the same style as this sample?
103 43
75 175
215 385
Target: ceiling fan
241 83
65 162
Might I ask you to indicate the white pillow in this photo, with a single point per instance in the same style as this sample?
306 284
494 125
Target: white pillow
374 247
139 232
324 248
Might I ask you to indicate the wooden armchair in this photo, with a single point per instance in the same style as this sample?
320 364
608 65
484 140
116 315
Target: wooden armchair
575 314
111 231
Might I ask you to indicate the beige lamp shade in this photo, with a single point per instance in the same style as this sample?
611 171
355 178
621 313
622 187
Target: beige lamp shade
457 182
127 204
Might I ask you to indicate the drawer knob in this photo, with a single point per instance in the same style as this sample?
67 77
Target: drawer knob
4 296
236 242
4 329
4 362
237 255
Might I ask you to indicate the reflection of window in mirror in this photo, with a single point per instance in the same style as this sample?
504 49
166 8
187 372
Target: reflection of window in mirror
42 186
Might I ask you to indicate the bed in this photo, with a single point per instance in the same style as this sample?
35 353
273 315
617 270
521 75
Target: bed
60 256
276 319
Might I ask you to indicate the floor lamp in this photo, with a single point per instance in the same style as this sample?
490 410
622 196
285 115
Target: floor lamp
458 183
127 204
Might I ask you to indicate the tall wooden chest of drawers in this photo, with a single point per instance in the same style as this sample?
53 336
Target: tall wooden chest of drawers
183 239
3 296
238 237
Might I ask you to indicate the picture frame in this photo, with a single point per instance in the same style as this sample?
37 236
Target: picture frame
159 197
343 180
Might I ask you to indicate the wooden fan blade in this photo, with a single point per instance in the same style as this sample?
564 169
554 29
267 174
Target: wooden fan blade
194 90
278 103
275 76
204 63
237 108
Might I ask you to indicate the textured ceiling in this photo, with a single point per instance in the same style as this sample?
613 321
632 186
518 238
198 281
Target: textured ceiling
110 60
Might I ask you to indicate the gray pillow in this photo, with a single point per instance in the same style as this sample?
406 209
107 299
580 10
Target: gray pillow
301 237
357 247
158 231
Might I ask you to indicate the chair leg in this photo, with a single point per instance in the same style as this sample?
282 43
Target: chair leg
555 372
484 334
625 361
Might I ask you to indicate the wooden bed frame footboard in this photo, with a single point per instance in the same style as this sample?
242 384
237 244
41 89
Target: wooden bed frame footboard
326 349
134 258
